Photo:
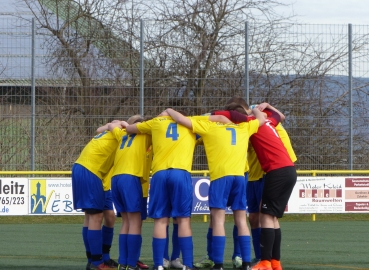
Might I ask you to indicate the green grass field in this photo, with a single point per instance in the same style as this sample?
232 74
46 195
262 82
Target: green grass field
54 242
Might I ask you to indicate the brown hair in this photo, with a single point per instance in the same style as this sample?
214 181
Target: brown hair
135 119
235 107
240 101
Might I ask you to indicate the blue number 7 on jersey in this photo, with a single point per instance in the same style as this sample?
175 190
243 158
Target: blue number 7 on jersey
233 134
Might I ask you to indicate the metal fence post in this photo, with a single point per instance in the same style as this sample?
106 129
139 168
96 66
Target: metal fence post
350 94
33 98
142 92
247 90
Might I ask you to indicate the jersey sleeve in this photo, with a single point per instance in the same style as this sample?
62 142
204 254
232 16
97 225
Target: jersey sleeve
118 133
268 112
200 117
224 113
273 116
200 127
234 116
253 126
145 127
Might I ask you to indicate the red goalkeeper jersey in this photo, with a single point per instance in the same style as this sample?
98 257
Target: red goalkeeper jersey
269 148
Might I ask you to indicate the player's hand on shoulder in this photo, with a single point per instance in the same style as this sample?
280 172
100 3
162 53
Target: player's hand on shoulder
262 106
124 124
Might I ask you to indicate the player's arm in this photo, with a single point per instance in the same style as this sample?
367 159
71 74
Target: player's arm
102 128
106 126
219 118
259 115
233 116
179 118
131 128
118 124
275 116
266 105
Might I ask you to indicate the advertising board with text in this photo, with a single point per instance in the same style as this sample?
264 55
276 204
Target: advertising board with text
14 196
53 196
330 195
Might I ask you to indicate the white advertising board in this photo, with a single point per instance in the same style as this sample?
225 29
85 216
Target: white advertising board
53 196
330 195
14 196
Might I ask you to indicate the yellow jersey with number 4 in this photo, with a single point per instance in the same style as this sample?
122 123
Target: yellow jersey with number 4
173 144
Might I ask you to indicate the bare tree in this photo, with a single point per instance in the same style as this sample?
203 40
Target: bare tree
195 60
199 41
91 76
84 51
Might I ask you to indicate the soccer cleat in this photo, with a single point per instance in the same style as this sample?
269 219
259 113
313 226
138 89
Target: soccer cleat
262 265
111 263
205 262
99 267
255 261
276 265
176 264
237 262
166 264
160 267
142 265
185 267
133 268
121 267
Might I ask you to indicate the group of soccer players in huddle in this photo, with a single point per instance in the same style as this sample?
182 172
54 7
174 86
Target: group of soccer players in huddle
251 163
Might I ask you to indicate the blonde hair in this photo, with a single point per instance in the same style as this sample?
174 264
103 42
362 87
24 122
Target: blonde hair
134 119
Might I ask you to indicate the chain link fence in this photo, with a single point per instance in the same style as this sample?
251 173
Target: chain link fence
58 84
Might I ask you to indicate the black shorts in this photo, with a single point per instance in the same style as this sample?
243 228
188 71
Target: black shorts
277 190
92 211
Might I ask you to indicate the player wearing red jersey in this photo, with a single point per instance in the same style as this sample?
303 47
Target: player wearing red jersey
280 179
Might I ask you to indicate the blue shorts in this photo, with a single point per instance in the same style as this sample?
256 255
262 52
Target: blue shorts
254 193
108 200
87 189
127 193
144 208
228 191
170 194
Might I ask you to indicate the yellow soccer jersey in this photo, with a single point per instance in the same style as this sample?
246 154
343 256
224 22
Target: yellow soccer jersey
130 156
145 179
96 156
105 169
247 167
286 141
107 180
173 144
225 145
255 172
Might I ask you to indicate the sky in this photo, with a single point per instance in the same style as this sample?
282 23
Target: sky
328 11
307 11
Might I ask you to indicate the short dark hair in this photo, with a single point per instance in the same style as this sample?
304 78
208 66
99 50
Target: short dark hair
135 119
239 100
235 107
